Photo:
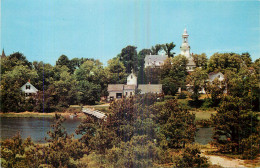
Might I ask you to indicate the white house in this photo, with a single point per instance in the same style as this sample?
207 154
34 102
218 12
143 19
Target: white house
214 75
29 89
154 60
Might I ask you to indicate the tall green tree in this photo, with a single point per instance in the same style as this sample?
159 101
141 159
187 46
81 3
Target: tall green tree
197 81
233 122
200 60
129 58
141 73
116 71
168 47
156 49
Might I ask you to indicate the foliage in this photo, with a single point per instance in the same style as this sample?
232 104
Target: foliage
216 90
205 123
116 71
169 87
168 47
233 122
128 56
190 157
197 81
182 95
200 60
177 126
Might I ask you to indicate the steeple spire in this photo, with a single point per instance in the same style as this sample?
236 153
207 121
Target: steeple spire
3 53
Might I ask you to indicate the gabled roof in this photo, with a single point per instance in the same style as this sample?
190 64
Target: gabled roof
150 88
155 58
129 87
115 87
31 90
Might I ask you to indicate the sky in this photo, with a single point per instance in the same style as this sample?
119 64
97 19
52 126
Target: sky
43 30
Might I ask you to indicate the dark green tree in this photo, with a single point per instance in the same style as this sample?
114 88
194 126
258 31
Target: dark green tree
168 47
129 58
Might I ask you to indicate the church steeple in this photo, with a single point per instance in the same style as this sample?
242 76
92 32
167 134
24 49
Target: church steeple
185 47
3 53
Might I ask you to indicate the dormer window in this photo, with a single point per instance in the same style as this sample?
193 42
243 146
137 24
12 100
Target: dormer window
28 87
218 76
131 76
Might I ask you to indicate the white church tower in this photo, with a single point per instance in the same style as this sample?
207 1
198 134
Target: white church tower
185 51
185 47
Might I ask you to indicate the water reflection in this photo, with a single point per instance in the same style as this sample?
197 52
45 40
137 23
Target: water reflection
36 128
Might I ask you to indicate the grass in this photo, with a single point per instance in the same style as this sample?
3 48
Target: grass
203 114
26 115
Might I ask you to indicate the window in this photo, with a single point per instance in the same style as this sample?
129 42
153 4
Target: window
28 87
126 93
130 93
131 76
218 76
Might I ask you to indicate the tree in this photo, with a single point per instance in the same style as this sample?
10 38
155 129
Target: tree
128 56
156 49
197 81
200 60
141 56
116 71
168 47
176 125
169 86
65 87
63 60
216 90
233 122
152 75
224 61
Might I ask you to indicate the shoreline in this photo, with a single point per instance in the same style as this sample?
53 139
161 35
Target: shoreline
27 114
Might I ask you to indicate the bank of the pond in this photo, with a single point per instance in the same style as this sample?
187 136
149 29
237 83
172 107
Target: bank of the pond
37 115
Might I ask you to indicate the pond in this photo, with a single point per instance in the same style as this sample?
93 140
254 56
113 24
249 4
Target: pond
37 129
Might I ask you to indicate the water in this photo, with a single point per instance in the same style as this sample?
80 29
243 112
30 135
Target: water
37 129
204 135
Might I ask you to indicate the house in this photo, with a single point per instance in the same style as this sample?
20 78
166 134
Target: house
214 75
154 60
118 91
28 89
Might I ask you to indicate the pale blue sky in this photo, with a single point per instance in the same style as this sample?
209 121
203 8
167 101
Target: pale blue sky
45 29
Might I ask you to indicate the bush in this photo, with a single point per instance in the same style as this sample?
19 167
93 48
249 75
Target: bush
204 123
190 157
251 147
169 97
182 95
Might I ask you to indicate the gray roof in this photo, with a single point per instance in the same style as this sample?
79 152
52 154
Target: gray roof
150 88
156 58
129 87
115 87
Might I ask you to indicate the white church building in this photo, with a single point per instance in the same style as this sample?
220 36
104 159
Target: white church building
158 60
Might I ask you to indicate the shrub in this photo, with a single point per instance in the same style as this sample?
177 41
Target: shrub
204 123
169 97
182 95
190 157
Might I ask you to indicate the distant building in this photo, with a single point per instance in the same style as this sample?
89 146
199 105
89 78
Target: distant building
154 60
28 89
118 91
214 75
3 54
185 51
